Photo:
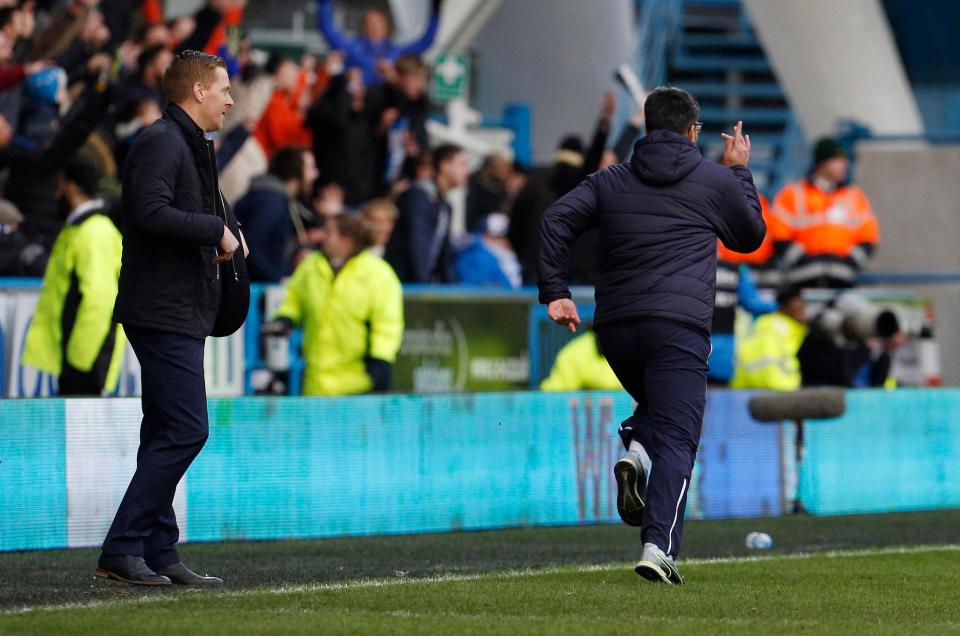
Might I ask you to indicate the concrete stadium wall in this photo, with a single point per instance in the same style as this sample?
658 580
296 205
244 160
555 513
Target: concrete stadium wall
298 467
916 196
837 60
557 56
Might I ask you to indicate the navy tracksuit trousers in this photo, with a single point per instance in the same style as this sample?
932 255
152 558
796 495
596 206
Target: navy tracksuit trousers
173 431
663 366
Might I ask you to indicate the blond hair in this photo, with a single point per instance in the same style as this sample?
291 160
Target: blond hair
186 69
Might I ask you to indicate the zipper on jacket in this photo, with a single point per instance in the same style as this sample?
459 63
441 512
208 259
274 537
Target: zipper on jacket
211 163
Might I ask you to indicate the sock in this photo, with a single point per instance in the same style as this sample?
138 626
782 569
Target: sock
641 452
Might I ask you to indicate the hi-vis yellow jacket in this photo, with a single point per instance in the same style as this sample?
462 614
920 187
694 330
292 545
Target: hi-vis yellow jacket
766 357
347 317
580 366
79 290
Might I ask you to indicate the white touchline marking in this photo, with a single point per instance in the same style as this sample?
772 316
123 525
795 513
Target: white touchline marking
503 574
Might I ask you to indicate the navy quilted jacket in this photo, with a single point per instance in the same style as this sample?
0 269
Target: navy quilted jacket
659 218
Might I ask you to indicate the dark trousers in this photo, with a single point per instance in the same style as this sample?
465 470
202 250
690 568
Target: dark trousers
663 366
173 431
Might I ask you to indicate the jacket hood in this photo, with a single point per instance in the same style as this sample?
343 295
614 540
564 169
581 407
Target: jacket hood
664 157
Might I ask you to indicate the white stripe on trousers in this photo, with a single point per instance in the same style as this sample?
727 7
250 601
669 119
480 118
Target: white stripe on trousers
676 512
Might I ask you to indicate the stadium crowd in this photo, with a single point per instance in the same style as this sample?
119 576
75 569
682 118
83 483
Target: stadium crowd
310 140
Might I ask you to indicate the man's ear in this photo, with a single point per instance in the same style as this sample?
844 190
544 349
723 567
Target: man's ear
198 91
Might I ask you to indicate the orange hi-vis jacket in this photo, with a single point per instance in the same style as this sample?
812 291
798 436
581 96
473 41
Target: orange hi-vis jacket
763 255
830 234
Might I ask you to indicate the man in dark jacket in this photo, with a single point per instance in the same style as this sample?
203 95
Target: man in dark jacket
659 218
419 249
175 242
272 215
345 142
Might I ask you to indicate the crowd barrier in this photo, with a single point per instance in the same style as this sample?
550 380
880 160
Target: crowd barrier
456 339
277 468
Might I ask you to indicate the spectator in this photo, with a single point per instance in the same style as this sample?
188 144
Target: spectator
824 229
580 366
487 189
133 118
571 166
489 259
419 248
400 107
72 333
767 356
35 174
152 63
350 305
11 239
89 43
282 122
344 137
850 343
12 74
181 28
272 216
373 46
380 215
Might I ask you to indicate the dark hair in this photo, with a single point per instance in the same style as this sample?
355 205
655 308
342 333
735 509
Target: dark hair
148 55
786 294
186 69
355 227
133 108
670 108
287 163
84 175
6 16
444 153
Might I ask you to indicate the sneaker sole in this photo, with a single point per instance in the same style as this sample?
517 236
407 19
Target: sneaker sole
106 574
630 502
653 572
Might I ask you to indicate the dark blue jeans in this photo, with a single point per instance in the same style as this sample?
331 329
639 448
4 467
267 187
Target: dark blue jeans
173 431
663 366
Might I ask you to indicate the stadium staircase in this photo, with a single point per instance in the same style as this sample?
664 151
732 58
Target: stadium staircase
713 52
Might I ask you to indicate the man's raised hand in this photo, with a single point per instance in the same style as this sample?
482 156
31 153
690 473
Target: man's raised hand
736 149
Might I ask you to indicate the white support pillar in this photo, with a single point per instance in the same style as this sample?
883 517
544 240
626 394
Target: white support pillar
837 60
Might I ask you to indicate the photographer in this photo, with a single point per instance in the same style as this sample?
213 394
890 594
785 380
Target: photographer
850 343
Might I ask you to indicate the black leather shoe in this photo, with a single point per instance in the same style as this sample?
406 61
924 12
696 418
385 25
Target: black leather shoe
180 574
128 568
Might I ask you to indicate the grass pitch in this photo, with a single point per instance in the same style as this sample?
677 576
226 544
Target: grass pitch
825 575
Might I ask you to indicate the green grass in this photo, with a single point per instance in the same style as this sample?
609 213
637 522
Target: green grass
554 580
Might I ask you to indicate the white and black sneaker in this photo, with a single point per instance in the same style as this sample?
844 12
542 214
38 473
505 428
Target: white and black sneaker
631 488
656 565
